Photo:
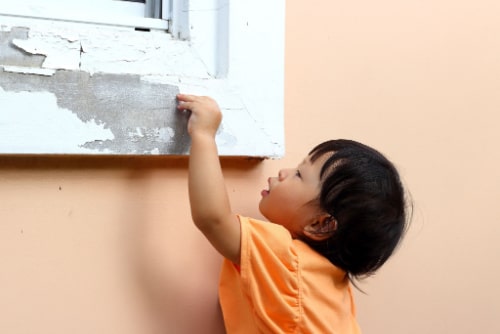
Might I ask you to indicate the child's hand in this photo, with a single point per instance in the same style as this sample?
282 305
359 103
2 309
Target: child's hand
205 115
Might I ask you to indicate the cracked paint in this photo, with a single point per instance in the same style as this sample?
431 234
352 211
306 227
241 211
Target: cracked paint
60 52
139 117
109 50
123 82
13 56
29 70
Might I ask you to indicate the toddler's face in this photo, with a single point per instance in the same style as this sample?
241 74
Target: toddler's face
289 199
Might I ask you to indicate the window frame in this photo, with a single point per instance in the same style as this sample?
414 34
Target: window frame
130 12
243 70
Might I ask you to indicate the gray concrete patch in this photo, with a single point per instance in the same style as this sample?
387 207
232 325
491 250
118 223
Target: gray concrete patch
141 115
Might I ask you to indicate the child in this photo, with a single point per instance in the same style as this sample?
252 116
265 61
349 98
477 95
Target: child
339 215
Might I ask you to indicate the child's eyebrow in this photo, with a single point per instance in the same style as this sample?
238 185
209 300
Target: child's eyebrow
306 161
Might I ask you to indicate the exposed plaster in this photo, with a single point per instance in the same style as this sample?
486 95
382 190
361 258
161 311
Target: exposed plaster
13 56
146 125
140 115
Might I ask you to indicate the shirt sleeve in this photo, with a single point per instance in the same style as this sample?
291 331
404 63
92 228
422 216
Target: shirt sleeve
270 275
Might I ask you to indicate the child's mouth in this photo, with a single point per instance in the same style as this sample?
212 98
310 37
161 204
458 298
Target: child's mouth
266 192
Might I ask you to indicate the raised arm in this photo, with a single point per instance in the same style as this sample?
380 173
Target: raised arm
210 207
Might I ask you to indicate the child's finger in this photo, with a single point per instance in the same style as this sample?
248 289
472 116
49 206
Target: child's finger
186 97
184 105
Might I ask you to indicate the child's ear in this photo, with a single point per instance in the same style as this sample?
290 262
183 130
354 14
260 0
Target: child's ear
322 228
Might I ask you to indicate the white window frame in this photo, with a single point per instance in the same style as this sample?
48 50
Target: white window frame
111 12
233 51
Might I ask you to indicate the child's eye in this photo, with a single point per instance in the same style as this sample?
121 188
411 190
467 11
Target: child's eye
297 173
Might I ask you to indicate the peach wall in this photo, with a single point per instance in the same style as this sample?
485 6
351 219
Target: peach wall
105 245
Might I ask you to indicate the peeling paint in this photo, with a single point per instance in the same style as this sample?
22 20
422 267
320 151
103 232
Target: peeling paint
93 49
141 117
29 70
60 52
125 81
13 56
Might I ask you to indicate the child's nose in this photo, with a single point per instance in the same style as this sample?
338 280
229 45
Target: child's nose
282 174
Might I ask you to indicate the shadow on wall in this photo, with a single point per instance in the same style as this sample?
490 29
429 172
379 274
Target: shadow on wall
165 273
83 162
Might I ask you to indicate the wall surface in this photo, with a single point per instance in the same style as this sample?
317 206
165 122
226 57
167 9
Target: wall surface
105 245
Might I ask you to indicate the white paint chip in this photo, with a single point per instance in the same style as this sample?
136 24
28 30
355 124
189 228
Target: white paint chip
29 70
60 52
166 134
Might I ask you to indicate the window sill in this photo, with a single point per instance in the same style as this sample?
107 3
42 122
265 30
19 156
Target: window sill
152 67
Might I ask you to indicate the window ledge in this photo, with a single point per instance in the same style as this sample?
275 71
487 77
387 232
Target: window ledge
137 75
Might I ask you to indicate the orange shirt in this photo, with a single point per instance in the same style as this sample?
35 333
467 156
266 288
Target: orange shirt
283 286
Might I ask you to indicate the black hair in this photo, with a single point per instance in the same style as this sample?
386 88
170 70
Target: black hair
362 191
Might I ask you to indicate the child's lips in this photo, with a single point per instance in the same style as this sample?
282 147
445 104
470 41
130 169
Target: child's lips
266 192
